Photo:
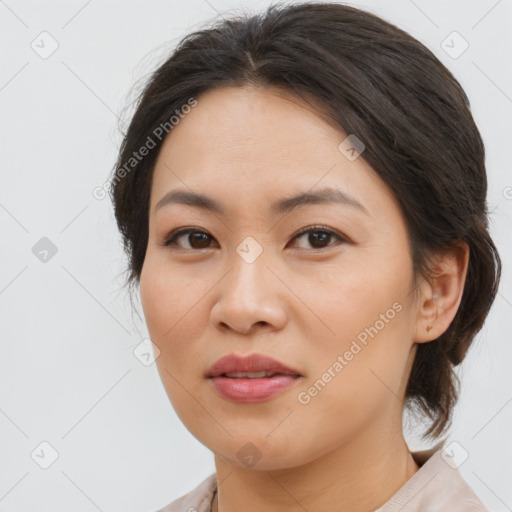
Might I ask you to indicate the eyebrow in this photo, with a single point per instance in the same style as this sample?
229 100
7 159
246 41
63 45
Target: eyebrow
322 196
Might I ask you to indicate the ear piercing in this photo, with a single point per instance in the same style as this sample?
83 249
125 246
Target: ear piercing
429 327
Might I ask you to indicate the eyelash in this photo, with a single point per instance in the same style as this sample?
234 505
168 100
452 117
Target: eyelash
175 235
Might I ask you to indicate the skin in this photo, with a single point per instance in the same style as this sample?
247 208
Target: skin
298 302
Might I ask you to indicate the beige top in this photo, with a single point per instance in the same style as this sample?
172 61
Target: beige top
435 487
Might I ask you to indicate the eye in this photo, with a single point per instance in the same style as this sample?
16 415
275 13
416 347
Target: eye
318 236
196 239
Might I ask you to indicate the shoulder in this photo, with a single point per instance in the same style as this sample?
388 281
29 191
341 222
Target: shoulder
437 486
197 500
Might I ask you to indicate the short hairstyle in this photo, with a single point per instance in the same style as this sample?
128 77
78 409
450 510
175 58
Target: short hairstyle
373 80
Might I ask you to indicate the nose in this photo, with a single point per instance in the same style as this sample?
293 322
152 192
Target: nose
250 297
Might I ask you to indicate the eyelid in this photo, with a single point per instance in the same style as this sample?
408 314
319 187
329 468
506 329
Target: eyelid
184 231
312 228
326 229
318 227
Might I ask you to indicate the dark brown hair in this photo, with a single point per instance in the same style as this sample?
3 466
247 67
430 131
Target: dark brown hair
373 80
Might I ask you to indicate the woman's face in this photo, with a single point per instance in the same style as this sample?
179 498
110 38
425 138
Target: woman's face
334 303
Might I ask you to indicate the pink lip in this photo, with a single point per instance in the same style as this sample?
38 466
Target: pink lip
252 363
251 390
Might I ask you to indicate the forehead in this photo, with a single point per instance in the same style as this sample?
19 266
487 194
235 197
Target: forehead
258 142
240 123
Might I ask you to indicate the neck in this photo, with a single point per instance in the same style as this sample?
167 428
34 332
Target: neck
357 477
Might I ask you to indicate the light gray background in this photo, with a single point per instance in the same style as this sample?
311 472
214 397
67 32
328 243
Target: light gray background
68 373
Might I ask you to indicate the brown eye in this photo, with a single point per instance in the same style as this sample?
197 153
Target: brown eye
195 239
318 237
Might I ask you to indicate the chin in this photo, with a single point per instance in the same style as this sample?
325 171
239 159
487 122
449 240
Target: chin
258 452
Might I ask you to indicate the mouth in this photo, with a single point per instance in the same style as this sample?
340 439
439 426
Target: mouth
254 366
255 378
252 375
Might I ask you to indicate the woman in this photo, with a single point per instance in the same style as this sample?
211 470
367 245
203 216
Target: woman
302 197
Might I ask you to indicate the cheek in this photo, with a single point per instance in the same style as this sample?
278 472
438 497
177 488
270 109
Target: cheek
170 309
174 312
368 314
162 300
363 293
158 300
354 380
164 294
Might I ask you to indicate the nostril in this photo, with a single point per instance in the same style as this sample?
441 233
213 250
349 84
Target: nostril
226 326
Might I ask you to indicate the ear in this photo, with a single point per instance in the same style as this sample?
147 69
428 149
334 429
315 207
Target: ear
440 295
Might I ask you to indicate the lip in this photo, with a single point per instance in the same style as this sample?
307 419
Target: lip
251 363
246 390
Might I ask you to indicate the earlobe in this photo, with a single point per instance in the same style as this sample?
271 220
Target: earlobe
441 295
